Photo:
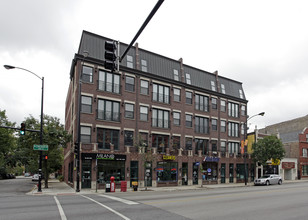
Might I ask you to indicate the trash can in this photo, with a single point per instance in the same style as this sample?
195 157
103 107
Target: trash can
107 186
135 185
123 186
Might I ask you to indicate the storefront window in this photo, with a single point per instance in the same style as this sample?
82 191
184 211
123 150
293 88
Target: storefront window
240 171
107 169
305 170
167 171
210 171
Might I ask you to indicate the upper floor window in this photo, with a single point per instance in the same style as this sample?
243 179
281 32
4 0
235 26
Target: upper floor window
202 103
128 138
233 147
86 104
144 65
144 87
188 80
223 105
304 152
233 129
108 110
243 110
188 97
213 86
161 93
214 145
107 137
176 118
176 75
160 118
176 94
201 125
129 110
201 144
214 124
222 146
144 113
161 142
129 83
85 134
223 89
223 126
176 140
241 94
130 61
233 109
306 137
188 121
214 103
108 82
188 143
87 74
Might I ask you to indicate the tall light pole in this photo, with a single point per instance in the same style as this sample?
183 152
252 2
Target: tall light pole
245 146
8 67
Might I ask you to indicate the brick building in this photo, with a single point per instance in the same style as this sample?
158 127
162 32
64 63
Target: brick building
157 121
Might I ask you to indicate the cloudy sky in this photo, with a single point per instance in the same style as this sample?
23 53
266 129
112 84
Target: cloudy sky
261 43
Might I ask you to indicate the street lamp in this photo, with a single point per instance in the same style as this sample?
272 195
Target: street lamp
8 67
245 146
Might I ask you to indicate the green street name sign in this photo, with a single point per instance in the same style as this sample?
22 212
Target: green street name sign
40 147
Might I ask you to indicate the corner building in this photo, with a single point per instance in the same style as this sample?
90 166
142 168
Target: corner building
157 121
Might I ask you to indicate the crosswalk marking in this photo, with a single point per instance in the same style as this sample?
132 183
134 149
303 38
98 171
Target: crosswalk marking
120 200
63 217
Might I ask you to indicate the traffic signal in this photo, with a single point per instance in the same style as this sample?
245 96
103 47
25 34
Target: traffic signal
110 55
76 149
45 157
22 129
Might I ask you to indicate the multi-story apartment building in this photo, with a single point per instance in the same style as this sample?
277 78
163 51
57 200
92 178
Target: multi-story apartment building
156 121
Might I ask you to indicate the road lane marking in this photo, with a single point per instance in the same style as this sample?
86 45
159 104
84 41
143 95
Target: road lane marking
106 207
63 217
120 200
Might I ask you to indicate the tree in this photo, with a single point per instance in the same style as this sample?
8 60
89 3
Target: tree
268 148
54 135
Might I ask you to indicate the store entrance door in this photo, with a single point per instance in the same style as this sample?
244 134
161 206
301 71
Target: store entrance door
86 174
195 173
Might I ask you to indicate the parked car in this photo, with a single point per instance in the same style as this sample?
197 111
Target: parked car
35 177
27 175
269 179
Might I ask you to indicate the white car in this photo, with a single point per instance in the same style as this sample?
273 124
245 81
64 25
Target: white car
35 177
269 179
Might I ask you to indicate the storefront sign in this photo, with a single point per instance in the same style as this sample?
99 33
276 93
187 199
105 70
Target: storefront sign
165 157
211 159
288 165
110 157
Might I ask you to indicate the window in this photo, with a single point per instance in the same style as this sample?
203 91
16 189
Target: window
306 137
107 137
176 140
128 138
305 170
213 86
223 89
188 97
304 152
214 103
143 113
176 75
144 87
167 171
176 94
233 147
108 110
214 124
223 105
188 121
144 66
85 134
161 142
161 93
129 110
86 104
202 103
201 125
233 109
176 118
87 74
143 139
129 83
241 94
233 129
108 82
223 126
214 146
201 144
160 118
222 146
130 61
242 129
188 81
243 110
188 143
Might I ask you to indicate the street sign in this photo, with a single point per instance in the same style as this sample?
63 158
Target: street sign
40 147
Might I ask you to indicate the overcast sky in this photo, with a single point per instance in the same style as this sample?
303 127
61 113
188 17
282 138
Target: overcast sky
261 43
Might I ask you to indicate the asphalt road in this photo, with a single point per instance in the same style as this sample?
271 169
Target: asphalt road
288 201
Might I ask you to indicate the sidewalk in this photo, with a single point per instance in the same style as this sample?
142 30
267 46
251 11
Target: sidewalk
55 187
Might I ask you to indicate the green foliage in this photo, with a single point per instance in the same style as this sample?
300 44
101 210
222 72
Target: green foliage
268 148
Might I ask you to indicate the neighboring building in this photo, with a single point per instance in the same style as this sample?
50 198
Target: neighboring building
292 134
188 121
303 158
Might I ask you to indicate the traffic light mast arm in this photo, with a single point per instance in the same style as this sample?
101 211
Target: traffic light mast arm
7 127
156 7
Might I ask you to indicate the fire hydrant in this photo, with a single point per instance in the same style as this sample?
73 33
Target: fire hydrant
112 184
